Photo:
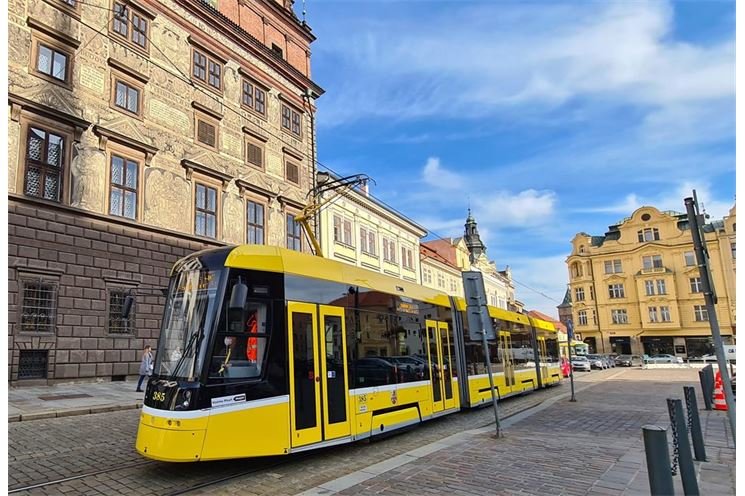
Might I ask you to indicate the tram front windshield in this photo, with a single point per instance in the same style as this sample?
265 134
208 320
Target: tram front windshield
189 313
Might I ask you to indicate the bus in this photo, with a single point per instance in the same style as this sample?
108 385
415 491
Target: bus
268 351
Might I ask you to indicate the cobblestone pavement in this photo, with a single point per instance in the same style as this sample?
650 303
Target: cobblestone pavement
57 448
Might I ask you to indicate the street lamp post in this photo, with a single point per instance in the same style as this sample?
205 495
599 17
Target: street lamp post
570 335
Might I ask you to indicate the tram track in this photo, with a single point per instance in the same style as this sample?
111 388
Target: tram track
17 489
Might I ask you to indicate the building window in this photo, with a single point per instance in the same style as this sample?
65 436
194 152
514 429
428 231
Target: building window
368 243
39 306
616 291
427 275
665 314
123 190
732 247
613 267
576 269
389 250
342 230
32 364
205 206
254 97
652 314
700 313
117 323
441 280
406 258
649 287
648 234
661 289
206 69
277 50
126 17
45 160
127 97
579 294
52 62
696 286
254 153
690 258
592 292
255 223
291 120
594 318
292 172
652 262
582 317
619 316
294 233
453 286
205 130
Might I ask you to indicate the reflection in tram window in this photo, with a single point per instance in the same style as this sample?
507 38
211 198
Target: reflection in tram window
523 355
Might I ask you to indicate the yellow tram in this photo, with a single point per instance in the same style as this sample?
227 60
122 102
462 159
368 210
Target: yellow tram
267 351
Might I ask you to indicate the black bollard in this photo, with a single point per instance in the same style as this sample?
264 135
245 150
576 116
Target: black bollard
694 423
658 460
683 447
707 393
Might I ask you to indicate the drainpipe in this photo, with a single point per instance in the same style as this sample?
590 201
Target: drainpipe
597 309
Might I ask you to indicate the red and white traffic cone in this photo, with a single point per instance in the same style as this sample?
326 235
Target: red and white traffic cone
719 402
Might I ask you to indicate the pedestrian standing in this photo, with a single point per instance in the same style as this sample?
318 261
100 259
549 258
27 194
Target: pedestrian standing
146 366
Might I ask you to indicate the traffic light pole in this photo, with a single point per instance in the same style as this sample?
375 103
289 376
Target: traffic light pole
702 257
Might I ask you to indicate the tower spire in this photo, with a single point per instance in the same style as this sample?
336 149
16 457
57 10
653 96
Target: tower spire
475 246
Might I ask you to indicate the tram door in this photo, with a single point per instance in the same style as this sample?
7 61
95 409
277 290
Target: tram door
505 343
447 363
439 366
542 358
318 378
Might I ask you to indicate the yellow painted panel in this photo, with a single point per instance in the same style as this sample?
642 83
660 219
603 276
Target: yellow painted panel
252 432
177 424
385 421
169 445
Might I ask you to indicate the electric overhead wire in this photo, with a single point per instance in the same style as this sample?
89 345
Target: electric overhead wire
186 79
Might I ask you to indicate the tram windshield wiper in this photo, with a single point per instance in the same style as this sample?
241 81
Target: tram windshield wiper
195 338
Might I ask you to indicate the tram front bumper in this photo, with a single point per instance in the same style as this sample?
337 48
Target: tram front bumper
170 440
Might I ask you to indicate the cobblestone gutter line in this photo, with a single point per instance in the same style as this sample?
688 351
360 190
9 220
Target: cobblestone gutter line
72 412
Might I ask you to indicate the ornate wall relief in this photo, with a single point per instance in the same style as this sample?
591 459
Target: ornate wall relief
167 200
88 175
233 219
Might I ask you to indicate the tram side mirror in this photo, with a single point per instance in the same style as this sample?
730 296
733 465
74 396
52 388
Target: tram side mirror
127 306
238 296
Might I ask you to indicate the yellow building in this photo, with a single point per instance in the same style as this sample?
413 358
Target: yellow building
637 288
359 230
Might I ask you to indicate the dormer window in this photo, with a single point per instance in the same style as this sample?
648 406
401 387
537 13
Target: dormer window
581 249
648 234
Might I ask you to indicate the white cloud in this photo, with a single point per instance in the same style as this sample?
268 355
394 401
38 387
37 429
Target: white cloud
438 177
504 208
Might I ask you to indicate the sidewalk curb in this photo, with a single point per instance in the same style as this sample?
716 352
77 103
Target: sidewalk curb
72 412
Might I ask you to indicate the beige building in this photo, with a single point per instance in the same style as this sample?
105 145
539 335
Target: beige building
359 230
140 131
441 269
637 288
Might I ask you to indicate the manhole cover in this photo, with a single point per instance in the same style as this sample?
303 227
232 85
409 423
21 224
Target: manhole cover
64 396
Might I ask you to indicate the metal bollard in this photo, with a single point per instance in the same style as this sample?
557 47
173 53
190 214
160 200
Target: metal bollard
658 460
694 423
706 390
682 448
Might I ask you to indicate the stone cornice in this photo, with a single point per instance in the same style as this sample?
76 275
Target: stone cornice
20 102
105 135
207 171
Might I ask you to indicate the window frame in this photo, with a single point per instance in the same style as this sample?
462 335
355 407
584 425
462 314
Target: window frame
652 231
582 317
130 329
209 58
616 291
257 89
196 182
132 10
661 286
665 314
251 141
56 128
291 119
693 258
653 259
694 284
652 315
38 39
619 316
649 284
114 149
579 294
389 251
27 278
299 237
263 206
203 116
118 77
700 313
289 163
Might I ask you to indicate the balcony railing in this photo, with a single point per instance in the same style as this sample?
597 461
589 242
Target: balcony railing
653 270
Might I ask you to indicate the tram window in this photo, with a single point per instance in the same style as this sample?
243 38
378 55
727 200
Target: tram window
522 347
241 343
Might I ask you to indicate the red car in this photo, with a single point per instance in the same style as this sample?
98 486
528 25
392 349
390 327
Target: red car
565 367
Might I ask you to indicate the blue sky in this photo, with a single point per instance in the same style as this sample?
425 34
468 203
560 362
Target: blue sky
549 118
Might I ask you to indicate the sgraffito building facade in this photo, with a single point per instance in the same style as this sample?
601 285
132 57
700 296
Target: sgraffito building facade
140 131
637 288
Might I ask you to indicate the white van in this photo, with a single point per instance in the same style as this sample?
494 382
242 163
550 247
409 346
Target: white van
730 354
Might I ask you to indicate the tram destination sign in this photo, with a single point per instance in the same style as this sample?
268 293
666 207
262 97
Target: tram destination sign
476 309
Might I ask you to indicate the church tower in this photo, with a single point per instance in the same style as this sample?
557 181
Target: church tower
473 241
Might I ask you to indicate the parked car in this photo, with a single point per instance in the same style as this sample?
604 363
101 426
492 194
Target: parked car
664 358
409 368
597 362
374 371
581 363
629 361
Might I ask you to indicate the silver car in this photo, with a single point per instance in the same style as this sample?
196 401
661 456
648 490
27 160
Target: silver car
664 358
581 363
597 362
